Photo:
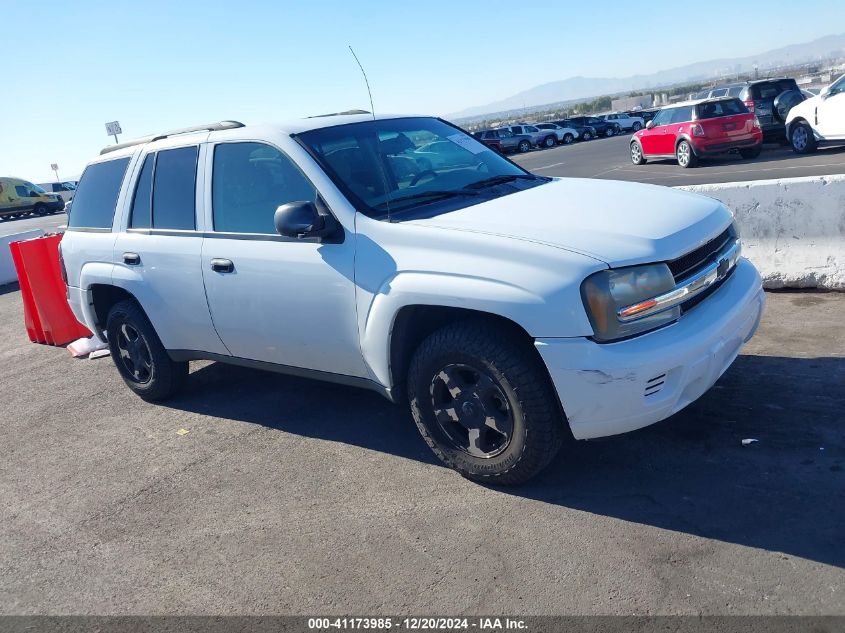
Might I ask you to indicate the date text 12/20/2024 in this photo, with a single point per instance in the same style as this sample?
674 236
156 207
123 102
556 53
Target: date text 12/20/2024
417 624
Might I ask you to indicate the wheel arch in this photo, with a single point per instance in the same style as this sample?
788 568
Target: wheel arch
105 296
688 139
414 322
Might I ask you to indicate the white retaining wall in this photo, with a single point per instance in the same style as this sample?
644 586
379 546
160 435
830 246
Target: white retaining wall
8 274
792 229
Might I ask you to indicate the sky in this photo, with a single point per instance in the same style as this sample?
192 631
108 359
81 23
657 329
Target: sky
154 66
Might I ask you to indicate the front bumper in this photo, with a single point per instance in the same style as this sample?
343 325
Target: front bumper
612 388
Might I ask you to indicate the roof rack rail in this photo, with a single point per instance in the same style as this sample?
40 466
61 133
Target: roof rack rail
345 112
208 127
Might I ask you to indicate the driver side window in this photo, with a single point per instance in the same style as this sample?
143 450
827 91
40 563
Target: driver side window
249 182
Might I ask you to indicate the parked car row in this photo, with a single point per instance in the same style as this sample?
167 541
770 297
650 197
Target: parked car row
739 117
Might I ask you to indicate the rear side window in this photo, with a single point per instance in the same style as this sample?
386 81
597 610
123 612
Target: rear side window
174 190
729 107
96 195
250 181
682 114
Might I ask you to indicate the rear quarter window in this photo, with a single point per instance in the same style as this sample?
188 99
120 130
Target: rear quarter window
96 195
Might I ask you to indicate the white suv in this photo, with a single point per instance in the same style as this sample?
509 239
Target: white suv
818 120
510 310
625 121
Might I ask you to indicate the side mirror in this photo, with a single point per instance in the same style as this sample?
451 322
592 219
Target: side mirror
825 92
649 125
301 219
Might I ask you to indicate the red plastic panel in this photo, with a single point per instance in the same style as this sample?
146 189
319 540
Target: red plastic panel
47 315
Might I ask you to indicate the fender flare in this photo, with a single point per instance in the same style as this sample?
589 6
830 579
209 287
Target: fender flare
432 289
688 139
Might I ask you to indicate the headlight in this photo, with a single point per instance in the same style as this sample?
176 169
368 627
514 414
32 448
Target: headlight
607 291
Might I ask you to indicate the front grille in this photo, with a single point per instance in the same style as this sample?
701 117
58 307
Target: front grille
694 261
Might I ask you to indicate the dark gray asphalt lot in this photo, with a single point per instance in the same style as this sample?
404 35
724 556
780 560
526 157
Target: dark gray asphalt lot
296 497
608 158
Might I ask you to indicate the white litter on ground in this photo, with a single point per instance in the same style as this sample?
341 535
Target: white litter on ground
750 440
84 346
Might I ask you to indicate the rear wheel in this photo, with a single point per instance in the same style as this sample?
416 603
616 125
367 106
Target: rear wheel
636 127
637 154
802 139
752 152
587 136
483 402
139 355
524 146
686 157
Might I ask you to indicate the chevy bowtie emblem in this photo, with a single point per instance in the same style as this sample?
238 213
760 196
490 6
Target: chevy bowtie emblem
722 268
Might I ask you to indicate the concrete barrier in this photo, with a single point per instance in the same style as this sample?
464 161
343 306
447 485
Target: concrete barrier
793 229
8 274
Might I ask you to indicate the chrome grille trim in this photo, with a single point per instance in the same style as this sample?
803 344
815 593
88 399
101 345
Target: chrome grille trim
714 272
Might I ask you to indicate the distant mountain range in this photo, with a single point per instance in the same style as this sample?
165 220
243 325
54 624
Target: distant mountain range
590 87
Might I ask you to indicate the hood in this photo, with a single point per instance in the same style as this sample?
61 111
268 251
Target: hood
619 223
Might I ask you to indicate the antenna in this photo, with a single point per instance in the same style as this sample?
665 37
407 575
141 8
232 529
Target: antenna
366 81
381 161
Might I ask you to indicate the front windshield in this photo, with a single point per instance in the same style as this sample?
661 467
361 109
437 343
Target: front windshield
393 165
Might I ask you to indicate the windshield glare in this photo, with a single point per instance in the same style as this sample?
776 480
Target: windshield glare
395 163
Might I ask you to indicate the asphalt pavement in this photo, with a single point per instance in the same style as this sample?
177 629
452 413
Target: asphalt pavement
48 222
259 493
609 158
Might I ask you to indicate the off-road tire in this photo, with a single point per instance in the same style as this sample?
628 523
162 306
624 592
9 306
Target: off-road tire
167 377
538 425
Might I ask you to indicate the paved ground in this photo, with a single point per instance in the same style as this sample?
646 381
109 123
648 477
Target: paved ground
608 158
292 496
48 223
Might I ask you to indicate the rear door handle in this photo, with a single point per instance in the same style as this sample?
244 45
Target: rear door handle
222 265
133 259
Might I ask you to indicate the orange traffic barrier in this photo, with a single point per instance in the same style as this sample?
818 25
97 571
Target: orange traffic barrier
46 312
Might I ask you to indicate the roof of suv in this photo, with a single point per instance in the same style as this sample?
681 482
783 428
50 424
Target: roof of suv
295 126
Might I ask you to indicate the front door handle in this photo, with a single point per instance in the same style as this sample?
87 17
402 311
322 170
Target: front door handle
133 259
222 265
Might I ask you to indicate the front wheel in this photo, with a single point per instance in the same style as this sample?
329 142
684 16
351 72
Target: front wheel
139 355
802 139
568 138
609 132
686 157
550 141
587 136
637 154
40 209
524 146
483 402
636 127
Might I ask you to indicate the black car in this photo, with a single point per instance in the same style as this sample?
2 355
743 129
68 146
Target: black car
602 127
585 132
770 99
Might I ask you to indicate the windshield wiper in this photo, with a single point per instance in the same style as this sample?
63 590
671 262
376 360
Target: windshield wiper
498 180
434 195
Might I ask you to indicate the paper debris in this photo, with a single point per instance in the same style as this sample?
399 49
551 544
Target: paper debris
750 440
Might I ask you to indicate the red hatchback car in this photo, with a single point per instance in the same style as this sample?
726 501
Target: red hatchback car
696 129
